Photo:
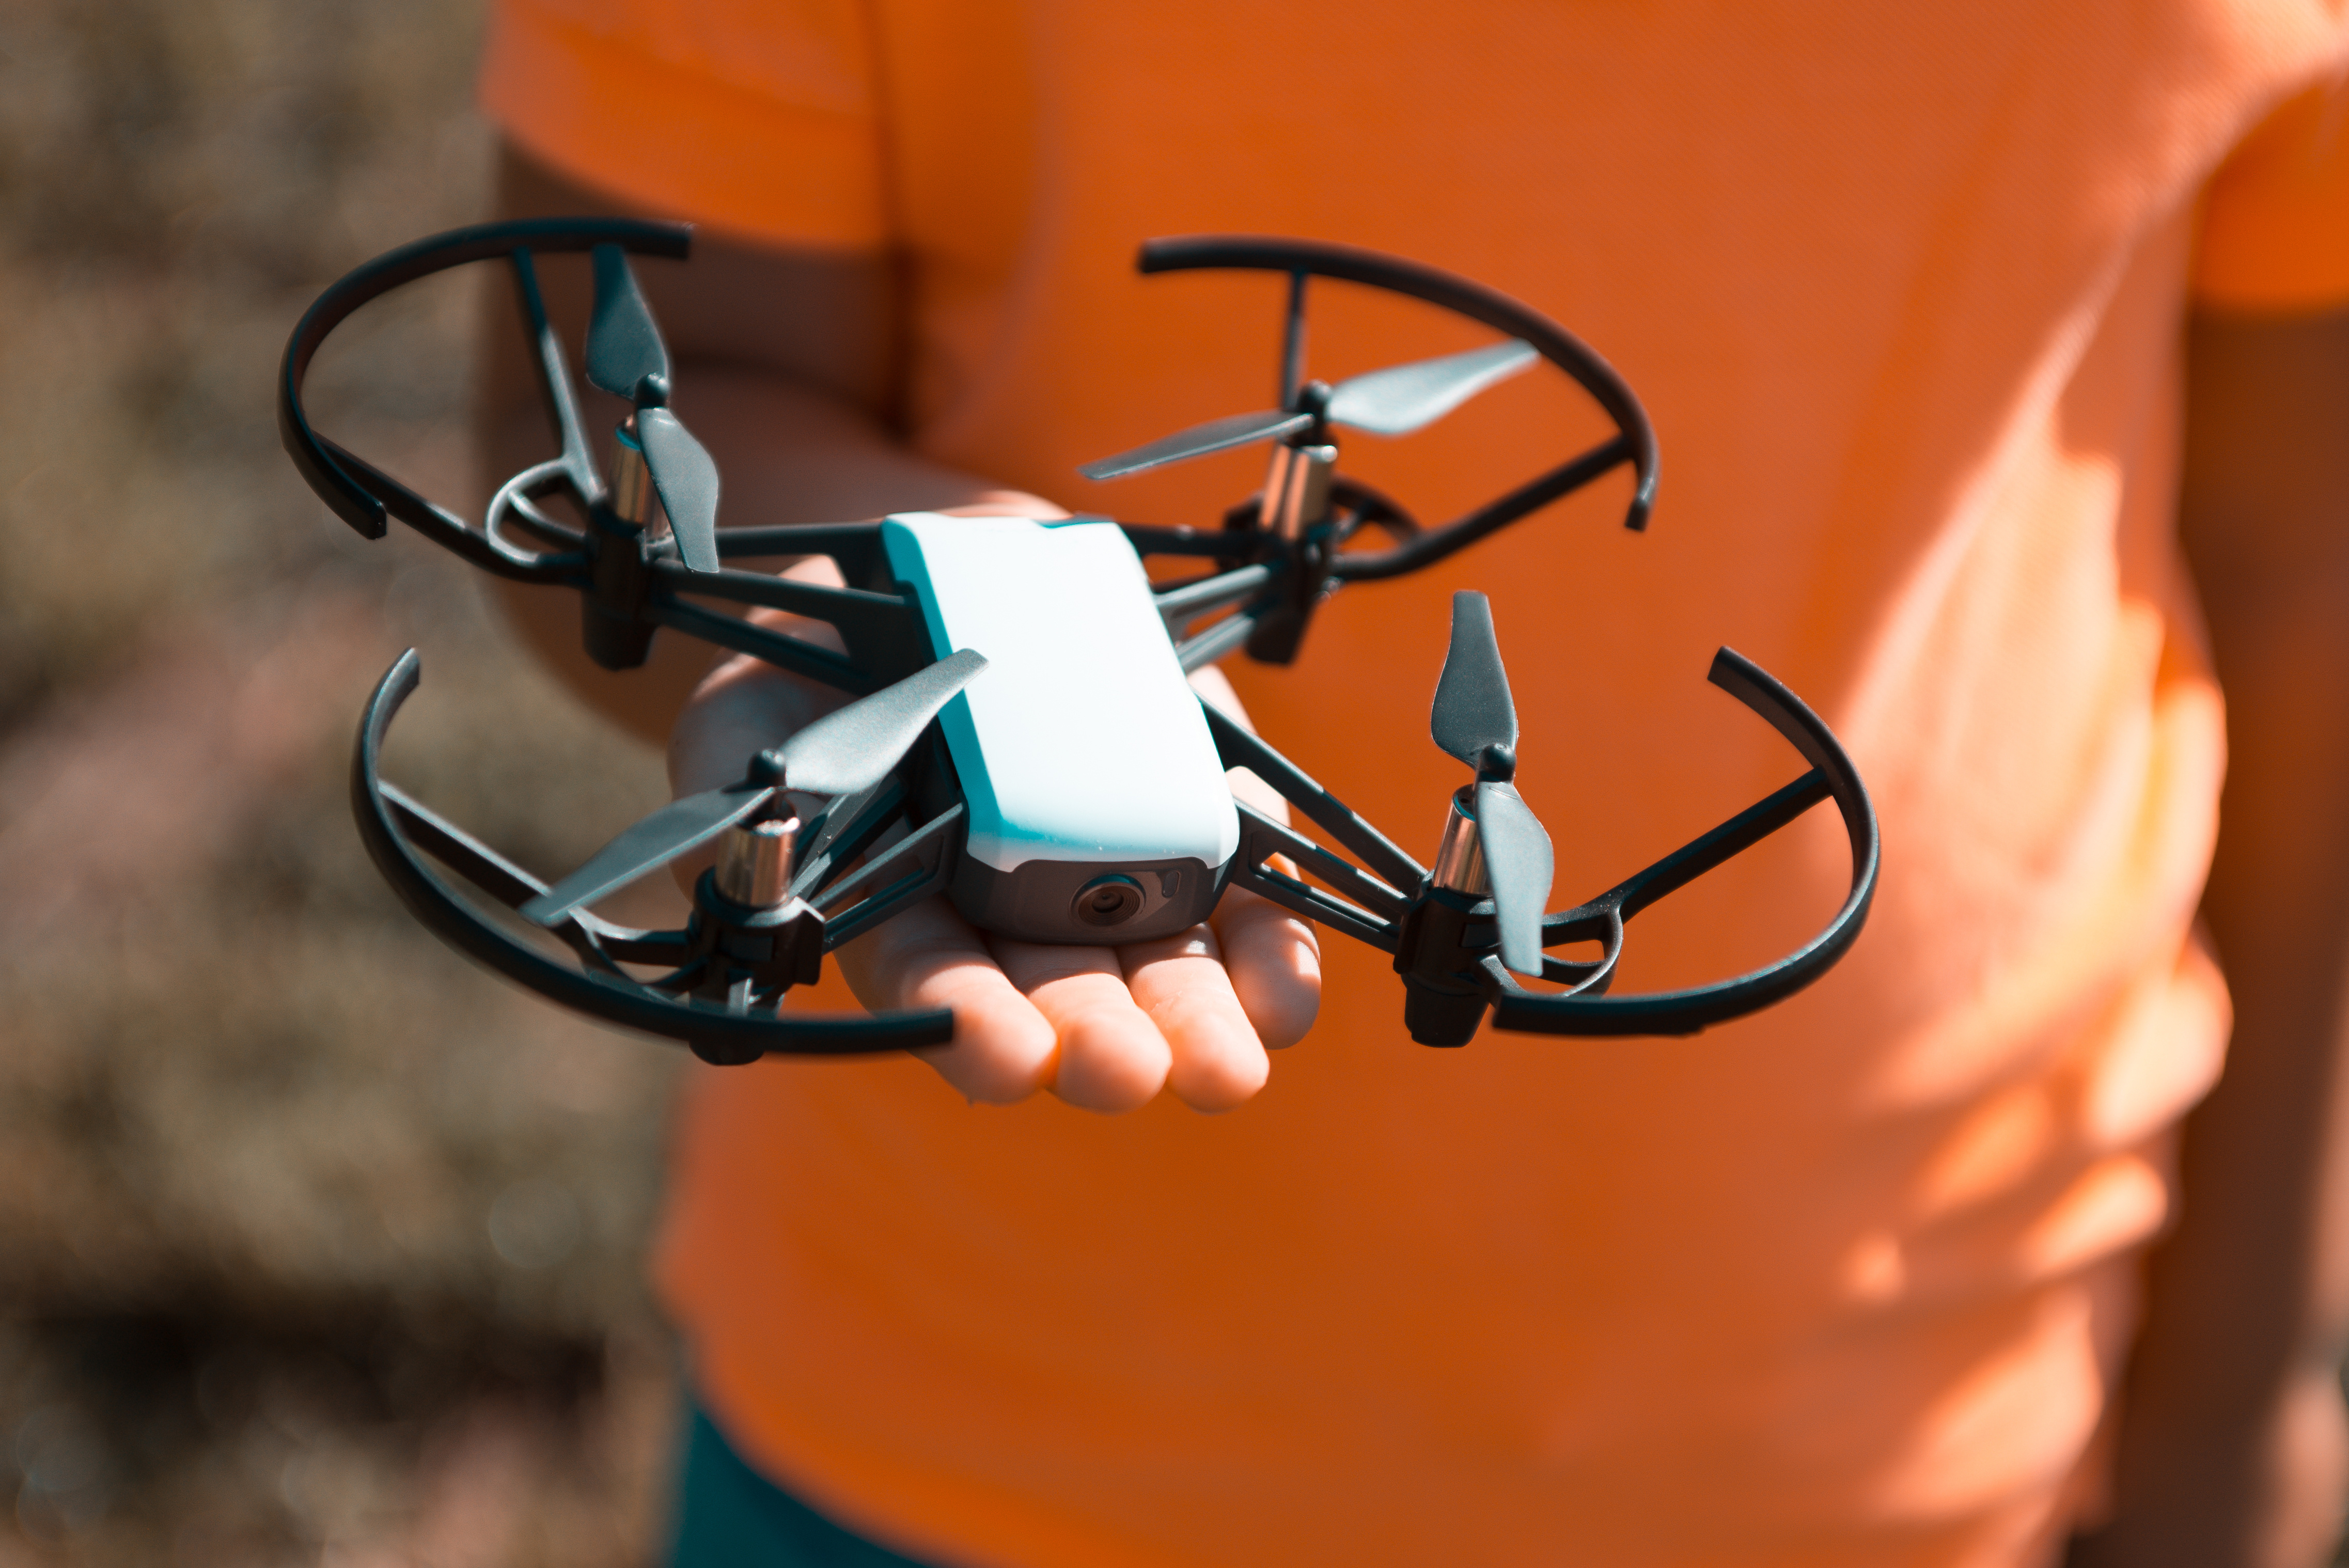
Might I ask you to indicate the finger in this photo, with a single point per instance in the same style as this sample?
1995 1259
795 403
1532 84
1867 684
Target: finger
1112 1057
1180 984
1274 960
1003 1048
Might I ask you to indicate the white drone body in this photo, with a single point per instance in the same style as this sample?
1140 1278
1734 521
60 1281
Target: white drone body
1098 807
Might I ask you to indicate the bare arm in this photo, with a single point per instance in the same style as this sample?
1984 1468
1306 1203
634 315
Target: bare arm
2233 1446
785 369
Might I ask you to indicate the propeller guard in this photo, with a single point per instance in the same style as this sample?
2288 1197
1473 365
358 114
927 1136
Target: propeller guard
1634 441
1275 609
390 824
362 494
1446 944
1584 1009
630 583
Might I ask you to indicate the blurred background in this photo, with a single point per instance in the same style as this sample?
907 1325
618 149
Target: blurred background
316 1245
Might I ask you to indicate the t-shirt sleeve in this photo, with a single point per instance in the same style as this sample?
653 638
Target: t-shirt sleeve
2275 218
760 117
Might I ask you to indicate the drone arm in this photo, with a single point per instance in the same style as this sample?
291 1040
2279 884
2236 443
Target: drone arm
857 546
844 829
882 631
910 871
1267 837
1149 540
1205 595
1224 636
1238 748
1261 838
779 649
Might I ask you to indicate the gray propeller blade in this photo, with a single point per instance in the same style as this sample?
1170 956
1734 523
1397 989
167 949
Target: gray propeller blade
1475 720
686 479
1390 402
855 748
839 754
1519 865
1400 399
1472 711
626 358
624 347
1238 430
648 845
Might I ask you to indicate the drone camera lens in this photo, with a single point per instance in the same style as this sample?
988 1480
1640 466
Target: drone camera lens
1108 900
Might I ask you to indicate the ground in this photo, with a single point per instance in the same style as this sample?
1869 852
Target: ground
315 1243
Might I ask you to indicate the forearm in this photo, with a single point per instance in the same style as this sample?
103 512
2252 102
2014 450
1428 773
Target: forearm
2232 1445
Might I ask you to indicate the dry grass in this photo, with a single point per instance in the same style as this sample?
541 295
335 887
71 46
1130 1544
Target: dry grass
315 1244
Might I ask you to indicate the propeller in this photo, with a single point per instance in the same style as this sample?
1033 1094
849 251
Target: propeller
840 754
1390 402
626 358
1475 720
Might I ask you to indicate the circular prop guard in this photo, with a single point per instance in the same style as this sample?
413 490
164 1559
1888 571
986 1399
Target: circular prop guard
1584 1009
388 822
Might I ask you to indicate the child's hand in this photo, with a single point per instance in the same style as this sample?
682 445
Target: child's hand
1103 1027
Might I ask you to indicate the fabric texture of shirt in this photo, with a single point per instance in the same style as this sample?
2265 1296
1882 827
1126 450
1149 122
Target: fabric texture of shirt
1846 1283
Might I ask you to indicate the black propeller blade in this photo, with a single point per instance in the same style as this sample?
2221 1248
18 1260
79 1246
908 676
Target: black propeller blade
1390 402
626 358
839 754
1475 720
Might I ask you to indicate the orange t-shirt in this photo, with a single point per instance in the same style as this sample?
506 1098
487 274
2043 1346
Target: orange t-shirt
1846 1283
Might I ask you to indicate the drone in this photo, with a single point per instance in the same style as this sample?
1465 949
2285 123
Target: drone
1023 739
